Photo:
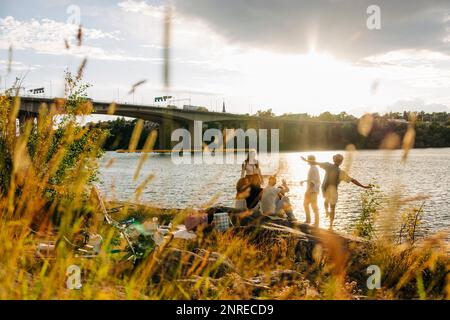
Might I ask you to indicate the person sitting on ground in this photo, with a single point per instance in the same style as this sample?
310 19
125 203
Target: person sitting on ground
312 191
245 216
240 209
242 193
274 200
333 176
255 192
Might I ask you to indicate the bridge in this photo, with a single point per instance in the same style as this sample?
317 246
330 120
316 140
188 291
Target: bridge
169 119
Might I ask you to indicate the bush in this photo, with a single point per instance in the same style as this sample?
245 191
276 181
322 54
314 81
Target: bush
370 206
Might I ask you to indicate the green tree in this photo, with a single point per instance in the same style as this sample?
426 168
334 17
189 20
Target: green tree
326 116
265 113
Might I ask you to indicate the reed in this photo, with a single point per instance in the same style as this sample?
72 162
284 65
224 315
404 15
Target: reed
48 206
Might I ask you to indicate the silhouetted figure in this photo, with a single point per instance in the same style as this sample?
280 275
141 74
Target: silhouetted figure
312 191
333 176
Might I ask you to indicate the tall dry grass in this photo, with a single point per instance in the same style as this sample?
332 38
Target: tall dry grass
47 174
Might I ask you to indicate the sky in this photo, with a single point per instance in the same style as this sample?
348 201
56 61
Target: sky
291 56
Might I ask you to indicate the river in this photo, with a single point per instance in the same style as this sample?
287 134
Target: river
426 172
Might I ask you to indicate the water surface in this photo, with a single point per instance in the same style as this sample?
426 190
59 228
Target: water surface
426 172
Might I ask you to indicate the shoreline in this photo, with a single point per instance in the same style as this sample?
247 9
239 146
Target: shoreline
166 151
302 248
169 214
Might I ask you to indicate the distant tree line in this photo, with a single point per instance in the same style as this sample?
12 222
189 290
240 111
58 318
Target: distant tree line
333 131
440 117
120 131
428 135
432 130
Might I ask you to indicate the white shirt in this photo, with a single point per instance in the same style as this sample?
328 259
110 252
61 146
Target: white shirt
314 178
250 169
269 199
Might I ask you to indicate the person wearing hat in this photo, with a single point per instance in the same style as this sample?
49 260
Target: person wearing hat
312 191
333 176
242 193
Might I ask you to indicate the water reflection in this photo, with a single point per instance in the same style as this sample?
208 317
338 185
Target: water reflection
427 171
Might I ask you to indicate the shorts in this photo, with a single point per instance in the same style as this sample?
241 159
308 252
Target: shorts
330 195
310 198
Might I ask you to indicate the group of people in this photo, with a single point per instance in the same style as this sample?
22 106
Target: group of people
272 201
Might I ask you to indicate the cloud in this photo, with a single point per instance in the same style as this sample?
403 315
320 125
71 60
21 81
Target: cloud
47 36
414 68
17 66
407 58
142 7
334 26
417 105
193 91
192 41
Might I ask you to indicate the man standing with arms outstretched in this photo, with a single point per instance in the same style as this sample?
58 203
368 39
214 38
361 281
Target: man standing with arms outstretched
333 176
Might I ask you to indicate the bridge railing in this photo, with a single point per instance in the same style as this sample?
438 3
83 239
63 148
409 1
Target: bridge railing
106 102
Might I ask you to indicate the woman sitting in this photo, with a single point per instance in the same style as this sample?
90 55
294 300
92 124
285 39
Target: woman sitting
242 193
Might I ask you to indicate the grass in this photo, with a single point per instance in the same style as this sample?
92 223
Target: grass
47 174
